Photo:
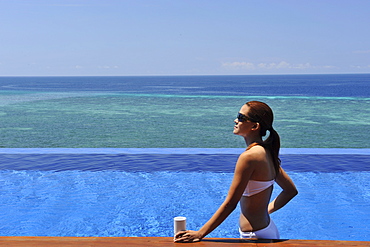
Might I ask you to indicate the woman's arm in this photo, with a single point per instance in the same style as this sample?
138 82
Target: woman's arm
243 170
289 191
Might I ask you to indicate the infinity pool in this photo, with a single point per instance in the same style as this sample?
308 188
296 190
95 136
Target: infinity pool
137 192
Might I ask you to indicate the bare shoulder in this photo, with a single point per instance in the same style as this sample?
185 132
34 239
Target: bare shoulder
253 155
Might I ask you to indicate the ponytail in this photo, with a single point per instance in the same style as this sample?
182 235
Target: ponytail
263 114
272 144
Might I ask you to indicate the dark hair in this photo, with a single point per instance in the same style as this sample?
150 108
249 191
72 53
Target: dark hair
260 112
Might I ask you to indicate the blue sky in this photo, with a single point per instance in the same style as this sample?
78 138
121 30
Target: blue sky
183 37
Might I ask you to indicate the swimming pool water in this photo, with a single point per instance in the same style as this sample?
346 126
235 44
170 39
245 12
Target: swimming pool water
137 192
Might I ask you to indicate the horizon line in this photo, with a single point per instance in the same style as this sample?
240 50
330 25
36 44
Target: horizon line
169 75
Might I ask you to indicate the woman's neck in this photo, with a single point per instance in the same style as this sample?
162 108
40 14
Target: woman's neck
249 141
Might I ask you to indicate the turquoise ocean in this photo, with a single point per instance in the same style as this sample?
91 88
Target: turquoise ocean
311 111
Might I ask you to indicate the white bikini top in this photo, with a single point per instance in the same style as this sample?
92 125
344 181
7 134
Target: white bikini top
254 187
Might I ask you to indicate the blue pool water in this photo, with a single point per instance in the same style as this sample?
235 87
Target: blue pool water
137 192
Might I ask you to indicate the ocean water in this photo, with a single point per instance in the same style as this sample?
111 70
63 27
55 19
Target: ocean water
325 111
122 156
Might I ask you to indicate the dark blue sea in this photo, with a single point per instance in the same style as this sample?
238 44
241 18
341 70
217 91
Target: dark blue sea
342 85
122 156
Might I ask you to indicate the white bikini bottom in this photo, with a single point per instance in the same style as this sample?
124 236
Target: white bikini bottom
269 232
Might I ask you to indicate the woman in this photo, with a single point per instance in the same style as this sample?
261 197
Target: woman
255 172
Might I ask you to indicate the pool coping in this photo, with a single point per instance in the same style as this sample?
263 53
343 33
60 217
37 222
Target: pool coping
166 241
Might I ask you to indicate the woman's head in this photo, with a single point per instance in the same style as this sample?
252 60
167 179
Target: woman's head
261 113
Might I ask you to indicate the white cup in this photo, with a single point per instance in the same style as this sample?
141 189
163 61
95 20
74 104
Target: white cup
179 224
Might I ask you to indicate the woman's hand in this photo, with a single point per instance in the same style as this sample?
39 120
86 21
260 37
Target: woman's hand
187 236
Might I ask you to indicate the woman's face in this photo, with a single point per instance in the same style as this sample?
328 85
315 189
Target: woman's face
242 126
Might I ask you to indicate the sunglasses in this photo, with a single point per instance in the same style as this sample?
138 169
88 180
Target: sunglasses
243 118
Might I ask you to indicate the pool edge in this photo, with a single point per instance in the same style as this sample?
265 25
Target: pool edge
283 151
165 241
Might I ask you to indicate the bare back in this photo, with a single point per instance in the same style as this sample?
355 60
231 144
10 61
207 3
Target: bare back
254 209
